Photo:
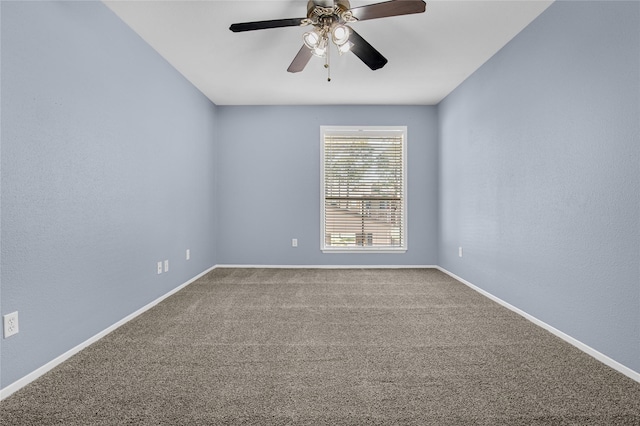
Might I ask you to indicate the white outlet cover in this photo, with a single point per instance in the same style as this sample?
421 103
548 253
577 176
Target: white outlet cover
166 265
10 322
188 254
159 268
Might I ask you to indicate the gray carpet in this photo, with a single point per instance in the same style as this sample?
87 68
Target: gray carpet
328 347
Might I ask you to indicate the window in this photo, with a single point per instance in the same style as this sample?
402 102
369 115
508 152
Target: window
363 189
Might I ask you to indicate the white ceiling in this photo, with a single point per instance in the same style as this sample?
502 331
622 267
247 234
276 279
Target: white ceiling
429 54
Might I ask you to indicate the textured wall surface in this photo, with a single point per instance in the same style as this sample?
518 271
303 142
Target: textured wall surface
269 183
540 175
107 167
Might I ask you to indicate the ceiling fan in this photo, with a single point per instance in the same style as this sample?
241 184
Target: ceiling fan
330 19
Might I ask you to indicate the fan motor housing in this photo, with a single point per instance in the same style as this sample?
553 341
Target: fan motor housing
318 10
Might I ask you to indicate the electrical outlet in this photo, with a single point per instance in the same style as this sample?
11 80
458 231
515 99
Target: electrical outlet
459 251
159 268
166 265
294 242
188 254
10 324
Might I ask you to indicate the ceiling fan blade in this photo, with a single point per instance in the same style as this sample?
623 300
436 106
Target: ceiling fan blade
388 8
301 59
263 25
367 53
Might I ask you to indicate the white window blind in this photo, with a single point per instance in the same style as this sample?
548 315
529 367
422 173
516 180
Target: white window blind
364 188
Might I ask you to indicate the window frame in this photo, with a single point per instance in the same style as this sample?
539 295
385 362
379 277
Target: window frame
373 131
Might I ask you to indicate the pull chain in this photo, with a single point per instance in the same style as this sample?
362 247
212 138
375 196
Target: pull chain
327 63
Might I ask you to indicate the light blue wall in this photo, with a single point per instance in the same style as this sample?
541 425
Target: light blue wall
540 174
108 166
269 183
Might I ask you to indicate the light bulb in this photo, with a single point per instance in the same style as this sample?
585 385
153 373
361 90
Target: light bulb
340 34
320 52
344 48
311 39
320 49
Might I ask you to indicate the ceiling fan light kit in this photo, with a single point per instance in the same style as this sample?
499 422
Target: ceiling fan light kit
329 19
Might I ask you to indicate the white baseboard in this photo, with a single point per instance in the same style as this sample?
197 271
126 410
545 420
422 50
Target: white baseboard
18 384
578 344
330 266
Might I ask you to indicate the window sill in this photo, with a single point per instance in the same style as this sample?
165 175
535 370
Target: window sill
362 250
